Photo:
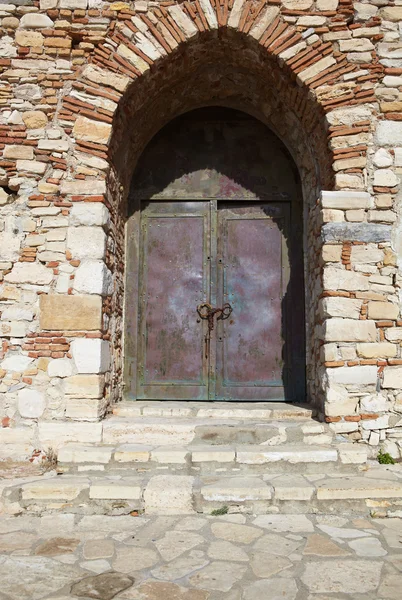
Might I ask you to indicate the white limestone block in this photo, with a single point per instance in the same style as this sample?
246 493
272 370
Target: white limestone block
53 434
382 158
16 362
86 242
91 355
380 423
358 375
340 307
344 200
34 273
93 277
374 403
35 21
169 494
377 350
210 14
389 133
340 279
75 453
349 330
366 254
74 4
54 488
183 21
31 403
352 454
116 490
60 367
392 377
385 178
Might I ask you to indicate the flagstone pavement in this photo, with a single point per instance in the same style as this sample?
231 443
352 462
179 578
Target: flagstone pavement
231 557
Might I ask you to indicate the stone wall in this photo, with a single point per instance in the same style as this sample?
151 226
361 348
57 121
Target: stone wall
84 86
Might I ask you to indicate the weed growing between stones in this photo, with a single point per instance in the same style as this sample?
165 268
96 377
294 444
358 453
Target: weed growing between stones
218 512
384 458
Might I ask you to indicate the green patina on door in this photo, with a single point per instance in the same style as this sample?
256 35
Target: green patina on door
233 245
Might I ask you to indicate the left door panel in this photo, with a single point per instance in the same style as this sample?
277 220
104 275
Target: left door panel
174 280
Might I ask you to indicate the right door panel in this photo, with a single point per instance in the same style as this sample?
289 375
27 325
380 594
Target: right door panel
252 360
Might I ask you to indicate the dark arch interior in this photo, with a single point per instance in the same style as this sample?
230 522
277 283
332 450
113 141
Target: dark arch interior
215 152
227 155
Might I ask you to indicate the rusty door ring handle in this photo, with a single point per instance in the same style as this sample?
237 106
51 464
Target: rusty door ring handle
225 312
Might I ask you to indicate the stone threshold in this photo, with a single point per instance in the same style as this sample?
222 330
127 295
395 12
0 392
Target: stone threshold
210 410
378 491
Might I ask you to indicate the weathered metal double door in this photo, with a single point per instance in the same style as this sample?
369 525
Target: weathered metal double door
213 301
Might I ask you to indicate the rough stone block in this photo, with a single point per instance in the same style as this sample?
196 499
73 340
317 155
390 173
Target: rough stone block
35 21
70 313
389 133
18 151
352 454
54 489
75 453
132 453
93 277
344 200
60 367
34 273
366 255
85 409
88 130
292 487
107 78
166 455
358 487
259 455
31 403
86 242
394 334
91 355
377 350
340 279
392 377
52 434
84 386
219 454
169 494
89 213
383 310
358 375
237 489
340 307
379 423
84 188
115 490
331 252
349 330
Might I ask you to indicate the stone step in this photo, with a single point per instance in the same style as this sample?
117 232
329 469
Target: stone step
260 411
377 490
204 459
162 431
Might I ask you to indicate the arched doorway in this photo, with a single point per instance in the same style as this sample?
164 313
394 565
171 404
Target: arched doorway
215 219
